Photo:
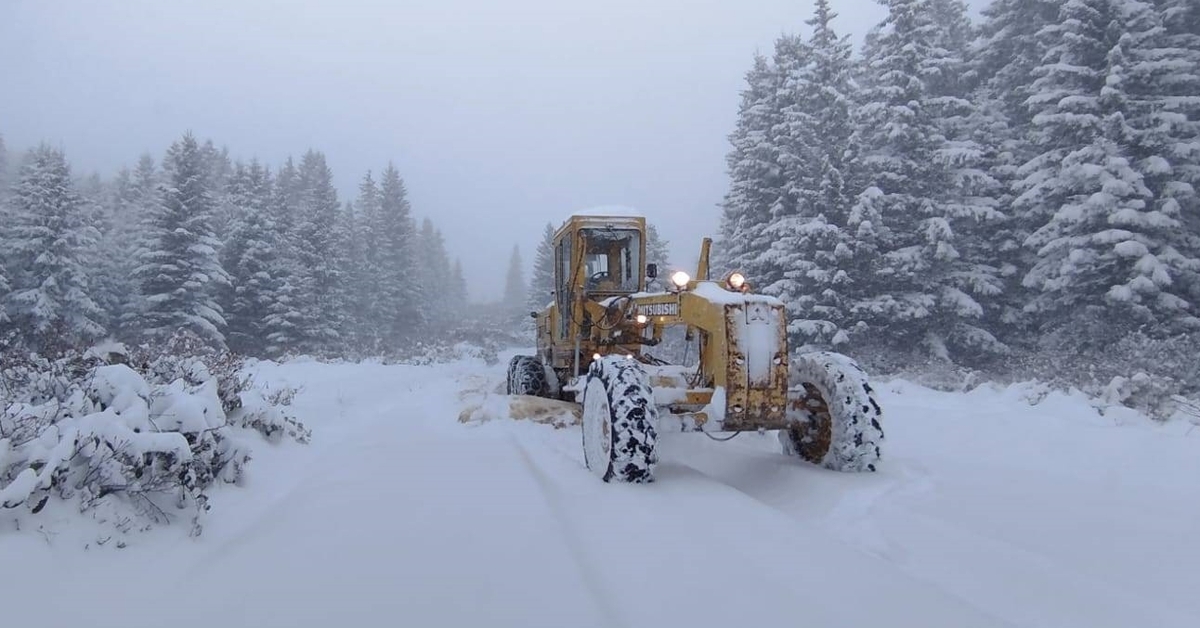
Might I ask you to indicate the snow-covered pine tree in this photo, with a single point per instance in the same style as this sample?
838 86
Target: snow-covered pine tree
250 257
220 173
658 251
49 243
112 282
1104 262
975 270
917 286
1005 53
368 212
286 201
788 142
1178 86
399 297
138 204
318 253
433 272
1008 49
754 172
354 272
541 282
812 246
1161 105
179 270
898 137
285 318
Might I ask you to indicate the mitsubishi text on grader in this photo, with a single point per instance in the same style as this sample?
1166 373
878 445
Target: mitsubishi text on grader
590 350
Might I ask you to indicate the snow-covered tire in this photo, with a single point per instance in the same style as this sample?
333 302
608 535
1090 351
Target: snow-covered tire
619 418
835 417
526 376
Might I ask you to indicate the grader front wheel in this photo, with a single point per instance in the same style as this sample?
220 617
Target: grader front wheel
834 417
619 414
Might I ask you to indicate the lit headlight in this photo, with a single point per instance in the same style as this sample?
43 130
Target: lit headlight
642 319
735 281
680 279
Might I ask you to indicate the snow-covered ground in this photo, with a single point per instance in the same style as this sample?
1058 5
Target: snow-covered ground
988 512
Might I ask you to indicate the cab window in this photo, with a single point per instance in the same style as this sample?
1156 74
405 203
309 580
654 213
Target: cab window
612 260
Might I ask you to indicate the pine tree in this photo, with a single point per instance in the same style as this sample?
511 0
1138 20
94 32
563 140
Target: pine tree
323 298
285 318
898 137
433 272
755 180
250 258
1009 49
368 211
658 251
179 269
399 296
791 135
812 246
139 202
541 282
1177 86
973 280
1104 261
1163 118
49 241
220 173
113 286
354 271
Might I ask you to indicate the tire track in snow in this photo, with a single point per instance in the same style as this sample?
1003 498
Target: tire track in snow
688 514
572 538
922 541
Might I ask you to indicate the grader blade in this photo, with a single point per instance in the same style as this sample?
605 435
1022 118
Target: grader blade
491 407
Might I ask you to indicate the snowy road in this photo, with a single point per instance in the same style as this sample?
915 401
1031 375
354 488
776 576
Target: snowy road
989 512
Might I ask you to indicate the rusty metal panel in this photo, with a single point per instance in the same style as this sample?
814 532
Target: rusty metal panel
756 359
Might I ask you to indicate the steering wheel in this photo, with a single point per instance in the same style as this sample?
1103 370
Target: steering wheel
596 278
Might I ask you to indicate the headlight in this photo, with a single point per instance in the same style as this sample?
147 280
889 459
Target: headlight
642 319
680 279
735 281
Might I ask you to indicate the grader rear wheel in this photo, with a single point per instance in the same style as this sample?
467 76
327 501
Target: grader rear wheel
835 419
526 376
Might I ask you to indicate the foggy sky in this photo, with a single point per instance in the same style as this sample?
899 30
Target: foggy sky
501 116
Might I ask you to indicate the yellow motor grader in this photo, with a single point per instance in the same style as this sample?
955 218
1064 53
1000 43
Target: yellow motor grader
592 341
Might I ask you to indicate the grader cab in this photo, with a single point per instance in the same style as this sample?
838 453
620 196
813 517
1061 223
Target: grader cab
594 343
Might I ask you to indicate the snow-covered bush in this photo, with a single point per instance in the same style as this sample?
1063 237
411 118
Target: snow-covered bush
132 439
1134 370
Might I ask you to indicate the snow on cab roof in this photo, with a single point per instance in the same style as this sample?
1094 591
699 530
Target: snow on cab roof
621 213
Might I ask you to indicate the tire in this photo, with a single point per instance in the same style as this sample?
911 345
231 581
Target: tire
836 421
619 417
526 377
